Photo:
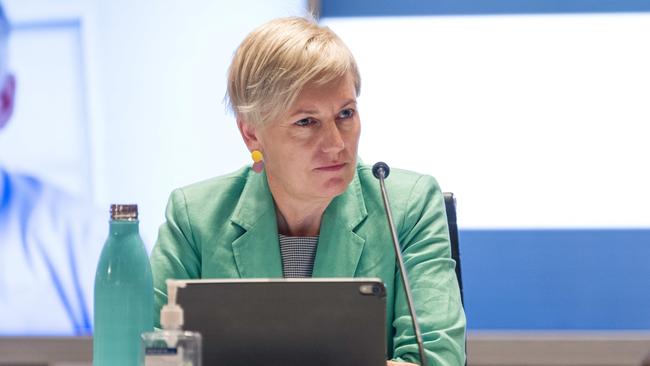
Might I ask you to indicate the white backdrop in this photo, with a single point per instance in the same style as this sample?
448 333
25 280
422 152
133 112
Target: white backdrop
533 121
152 77
48 133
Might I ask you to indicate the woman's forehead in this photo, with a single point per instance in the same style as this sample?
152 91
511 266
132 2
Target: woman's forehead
340 89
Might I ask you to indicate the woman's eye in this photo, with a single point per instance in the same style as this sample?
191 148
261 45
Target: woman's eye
346 113
304 122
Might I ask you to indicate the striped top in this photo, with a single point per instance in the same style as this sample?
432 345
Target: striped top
298 253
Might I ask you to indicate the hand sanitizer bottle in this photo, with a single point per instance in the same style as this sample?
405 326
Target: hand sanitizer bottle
171 346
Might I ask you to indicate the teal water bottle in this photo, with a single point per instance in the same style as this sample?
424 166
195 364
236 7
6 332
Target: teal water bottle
123 292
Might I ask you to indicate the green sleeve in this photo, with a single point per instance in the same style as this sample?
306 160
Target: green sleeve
424 236
175 254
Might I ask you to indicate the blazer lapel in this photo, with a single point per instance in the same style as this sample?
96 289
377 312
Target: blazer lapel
257 251
339 247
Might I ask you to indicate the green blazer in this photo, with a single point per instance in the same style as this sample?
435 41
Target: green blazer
226 227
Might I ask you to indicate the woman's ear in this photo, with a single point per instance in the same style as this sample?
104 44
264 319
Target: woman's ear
249 134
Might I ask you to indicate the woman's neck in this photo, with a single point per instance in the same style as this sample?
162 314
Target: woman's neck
298 216
299 219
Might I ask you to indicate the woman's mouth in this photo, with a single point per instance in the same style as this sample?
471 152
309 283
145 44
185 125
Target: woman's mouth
331 168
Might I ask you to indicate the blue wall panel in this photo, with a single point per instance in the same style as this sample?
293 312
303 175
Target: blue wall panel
358 8
556 279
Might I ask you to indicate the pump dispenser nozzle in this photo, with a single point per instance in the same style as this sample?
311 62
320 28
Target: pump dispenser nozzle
172 345
171 315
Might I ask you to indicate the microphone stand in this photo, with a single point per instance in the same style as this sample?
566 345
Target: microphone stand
381 170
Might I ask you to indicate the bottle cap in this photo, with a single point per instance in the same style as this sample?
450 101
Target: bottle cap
124 212
171 315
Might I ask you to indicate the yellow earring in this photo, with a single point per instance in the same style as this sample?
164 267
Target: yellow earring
258 161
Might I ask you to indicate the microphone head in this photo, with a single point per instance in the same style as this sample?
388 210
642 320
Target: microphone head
380 170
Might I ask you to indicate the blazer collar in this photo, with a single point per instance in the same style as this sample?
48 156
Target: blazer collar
257 250
339 247
255 201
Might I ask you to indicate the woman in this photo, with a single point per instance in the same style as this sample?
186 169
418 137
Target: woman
293 87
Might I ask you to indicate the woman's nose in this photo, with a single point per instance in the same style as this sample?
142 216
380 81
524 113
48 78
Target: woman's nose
332 141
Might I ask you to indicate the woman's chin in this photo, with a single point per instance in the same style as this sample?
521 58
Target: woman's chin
334 187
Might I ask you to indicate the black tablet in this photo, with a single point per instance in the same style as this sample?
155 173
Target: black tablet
316 321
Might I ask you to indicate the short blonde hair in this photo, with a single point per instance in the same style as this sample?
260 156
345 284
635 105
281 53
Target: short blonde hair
277 60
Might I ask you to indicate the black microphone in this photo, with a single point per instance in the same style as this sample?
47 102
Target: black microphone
381 170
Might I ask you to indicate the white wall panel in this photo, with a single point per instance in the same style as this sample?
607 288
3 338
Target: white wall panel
533 121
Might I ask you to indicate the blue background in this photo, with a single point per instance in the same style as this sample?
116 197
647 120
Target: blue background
357 8
556 279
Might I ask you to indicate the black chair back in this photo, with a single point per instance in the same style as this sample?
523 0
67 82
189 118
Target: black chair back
450 206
